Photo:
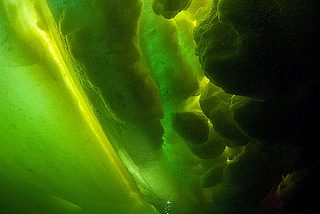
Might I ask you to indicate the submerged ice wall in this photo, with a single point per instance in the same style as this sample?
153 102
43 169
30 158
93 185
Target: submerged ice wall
151 77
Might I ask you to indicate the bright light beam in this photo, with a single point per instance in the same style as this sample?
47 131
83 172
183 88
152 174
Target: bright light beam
48 31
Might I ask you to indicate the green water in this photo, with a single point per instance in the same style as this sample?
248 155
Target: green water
201 104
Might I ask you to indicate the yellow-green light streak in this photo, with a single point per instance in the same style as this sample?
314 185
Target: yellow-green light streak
48 33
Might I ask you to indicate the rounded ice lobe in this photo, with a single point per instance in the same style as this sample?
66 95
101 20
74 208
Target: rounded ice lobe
258 49
169 8
191 126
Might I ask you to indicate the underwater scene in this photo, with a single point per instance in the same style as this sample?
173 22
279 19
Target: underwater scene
159 106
